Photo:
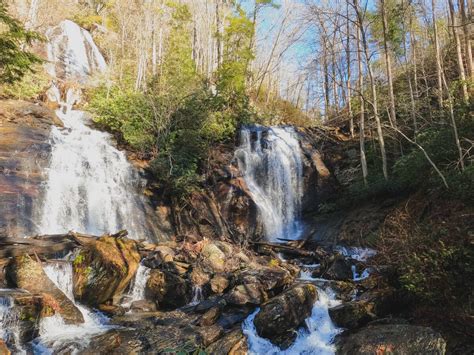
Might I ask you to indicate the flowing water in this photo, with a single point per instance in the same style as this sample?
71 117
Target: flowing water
270 160
137 289
315 338
54 333
90 186
9 324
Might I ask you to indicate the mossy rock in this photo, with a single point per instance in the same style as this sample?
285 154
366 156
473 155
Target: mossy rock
103 269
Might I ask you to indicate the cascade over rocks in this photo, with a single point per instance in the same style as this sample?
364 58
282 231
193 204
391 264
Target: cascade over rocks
279 317
104 268
25 273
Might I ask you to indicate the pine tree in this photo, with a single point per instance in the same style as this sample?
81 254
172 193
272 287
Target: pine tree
15 61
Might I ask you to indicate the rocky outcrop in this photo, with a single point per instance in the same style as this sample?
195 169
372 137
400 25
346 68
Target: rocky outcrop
24 153
393 339
168 290
104 268
352 314
25 273
279 317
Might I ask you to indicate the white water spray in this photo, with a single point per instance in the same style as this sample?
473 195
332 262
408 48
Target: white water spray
270 160
317 338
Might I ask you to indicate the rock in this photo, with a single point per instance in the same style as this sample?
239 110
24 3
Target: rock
340 269
143 306
279 317
24 312
352 314
111 309
103 269
199 277
219 284
25 273
213 257
24 154
3 348
205 305
210 334
211 316
392 339
233 342
251 293
167 290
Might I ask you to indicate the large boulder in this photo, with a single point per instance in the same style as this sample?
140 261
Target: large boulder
168 290
279 317
103 269
25 273
352 314
392 339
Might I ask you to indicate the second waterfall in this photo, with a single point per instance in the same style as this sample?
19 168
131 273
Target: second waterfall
270 160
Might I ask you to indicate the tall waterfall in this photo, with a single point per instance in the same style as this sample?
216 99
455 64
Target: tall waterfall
90 188
270 160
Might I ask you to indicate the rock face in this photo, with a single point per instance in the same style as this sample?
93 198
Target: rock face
25 273
103 269
168 290
352 314
24 153
279 317
393 339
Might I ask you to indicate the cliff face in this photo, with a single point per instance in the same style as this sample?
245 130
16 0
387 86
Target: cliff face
24 153
224 208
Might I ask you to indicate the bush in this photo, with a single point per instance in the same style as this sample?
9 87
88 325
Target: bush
31 85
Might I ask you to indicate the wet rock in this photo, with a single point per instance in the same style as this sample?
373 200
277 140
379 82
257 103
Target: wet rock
279 317
250 293
25 273
103 269
232 317
24 153
219 284
25 312
392 339
111 309
340 269
209 303
233 342
352 314
167 290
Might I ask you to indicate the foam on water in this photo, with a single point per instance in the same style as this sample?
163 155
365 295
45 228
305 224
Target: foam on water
317 338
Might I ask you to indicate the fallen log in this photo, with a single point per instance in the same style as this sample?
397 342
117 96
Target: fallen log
286 249
45 245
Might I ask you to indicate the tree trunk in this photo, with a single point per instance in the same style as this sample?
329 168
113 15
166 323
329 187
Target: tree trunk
466 17
388 64
439 67
462 74
373 87
363 160
348 59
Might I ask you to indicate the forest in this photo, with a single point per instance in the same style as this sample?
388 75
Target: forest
355 119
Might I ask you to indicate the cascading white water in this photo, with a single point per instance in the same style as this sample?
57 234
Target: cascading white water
197 295
9 324
54 333
137 289
316 339
270 160
91 188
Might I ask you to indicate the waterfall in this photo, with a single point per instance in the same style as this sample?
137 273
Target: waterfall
9 324
54 333
270 161
137 289
91 188
197 295
317 338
